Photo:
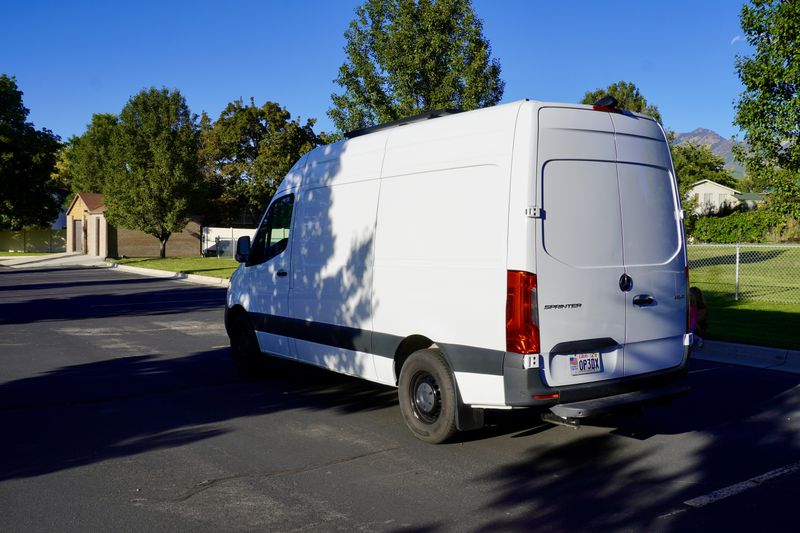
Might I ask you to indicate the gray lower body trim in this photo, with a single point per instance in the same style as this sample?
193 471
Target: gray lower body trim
460 358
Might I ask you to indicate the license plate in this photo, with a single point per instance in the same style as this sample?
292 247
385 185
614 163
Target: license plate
584 363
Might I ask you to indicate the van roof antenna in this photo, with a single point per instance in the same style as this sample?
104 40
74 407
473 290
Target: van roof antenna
402 122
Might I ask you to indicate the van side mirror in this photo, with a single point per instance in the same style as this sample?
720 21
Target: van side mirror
243 249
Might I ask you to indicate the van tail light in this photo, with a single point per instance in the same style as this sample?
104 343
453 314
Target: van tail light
688 304
522 313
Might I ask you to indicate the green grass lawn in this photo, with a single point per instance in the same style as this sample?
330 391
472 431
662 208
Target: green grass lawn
204 266
753 322
765 274
767 312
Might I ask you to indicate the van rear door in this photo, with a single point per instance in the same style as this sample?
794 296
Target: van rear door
579 258
609 254
653 251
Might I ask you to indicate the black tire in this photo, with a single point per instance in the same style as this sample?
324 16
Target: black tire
246 354
428 396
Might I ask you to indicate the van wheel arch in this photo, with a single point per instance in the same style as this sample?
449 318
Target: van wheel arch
409 345
231 315
467 418
245 352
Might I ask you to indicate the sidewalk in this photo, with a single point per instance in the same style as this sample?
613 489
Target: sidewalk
82 260
50 260
748 355
716 351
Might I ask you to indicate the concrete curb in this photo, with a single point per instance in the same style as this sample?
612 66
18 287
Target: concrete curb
192 278
748 355
792 363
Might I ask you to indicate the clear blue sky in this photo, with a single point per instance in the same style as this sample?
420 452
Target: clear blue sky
74 59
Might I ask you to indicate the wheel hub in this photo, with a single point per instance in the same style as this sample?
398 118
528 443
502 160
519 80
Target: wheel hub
427 402
425 397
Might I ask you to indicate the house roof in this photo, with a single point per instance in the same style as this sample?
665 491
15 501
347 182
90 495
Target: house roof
92 200
695 184
750 196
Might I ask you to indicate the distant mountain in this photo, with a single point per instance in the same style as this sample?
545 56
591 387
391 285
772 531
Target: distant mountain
718 144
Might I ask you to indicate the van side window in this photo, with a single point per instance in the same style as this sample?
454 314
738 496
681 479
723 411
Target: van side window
273 234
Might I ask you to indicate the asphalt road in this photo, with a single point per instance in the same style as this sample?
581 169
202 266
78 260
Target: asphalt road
120 411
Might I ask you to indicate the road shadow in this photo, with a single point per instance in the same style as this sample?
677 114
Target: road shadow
65 285
602 482
7 271
84 414
150 297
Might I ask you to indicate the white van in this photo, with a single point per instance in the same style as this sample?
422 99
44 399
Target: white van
526 255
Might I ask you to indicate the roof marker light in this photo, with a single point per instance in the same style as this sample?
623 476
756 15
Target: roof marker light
607 103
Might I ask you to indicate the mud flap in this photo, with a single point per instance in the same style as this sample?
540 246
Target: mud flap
467 418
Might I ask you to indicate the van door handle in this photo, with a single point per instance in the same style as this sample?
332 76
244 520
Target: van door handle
643 299
281 273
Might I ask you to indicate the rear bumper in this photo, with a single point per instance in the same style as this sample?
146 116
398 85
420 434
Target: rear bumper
609 404
522 385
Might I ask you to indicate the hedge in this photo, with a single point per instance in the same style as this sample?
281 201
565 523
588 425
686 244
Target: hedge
748 226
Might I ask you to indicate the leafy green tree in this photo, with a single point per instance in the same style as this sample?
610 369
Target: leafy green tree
62 173
405 57
90 156
246 153
783 196
627 96
154 175
27 160
694 163
769 107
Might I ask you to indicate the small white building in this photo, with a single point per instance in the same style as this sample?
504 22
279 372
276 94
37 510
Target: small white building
711 196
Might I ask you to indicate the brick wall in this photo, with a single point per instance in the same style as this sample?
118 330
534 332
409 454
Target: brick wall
134 243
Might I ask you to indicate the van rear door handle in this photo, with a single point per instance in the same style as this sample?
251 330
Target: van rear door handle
281 273
643 299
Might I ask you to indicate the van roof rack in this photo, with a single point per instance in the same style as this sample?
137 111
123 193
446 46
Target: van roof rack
402 122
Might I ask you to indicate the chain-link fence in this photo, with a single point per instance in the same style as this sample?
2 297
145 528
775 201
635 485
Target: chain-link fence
764 272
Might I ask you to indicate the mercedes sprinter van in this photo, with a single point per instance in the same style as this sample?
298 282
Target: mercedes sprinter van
525 255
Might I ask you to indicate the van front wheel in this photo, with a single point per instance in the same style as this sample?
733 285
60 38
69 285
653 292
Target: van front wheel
247 357
428 396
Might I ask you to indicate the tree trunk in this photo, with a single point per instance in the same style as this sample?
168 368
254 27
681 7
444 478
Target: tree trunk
163 249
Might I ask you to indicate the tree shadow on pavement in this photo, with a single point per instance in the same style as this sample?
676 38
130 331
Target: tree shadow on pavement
83 414
602 481
159 300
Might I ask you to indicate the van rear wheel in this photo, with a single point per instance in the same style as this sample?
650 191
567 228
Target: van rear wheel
428 396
